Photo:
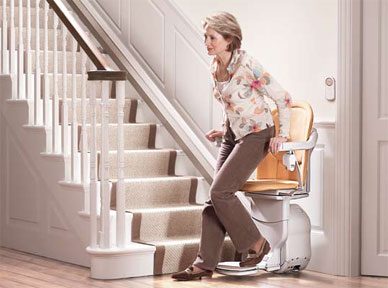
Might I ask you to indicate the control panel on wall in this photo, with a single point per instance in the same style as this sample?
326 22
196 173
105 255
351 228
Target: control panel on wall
330 88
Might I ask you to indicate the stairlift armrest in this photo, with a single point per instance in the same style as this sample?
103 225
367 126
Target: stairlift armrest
302 145
289 159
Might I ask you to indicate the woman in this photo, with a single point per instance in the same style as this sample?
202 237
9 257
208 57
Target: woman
240 82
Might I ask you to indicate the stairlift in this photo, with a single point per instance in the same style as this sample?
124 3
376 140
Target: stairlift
281 178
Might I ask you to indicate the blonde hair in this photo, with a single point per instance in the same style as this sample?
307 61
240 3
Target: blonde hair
225 24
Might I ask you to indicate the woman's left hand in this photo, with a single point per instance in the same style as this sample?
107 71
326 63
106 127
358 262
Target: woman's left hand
275 143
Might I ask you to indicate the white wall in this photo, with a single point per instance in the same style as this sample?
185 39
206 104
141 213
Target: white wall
295 40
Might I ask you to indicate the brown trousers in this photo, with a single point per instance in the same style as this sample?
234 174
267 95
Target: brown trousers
224 212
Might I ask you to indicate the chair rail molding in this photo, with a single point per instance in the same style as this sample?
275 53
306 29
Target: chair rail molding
346 202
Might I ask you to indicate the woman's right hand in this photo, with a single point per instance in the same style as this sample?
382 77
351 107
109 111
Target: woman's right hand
213 134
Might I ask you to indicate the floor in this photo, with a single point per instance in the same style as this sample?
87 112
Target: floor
18 269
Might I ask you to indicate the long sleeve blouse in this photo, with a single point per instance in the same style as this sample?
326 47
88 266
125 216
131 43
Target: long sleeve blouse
242 97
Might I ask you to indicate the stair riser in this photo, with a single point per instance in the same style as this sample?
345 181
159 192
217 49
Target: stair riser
50 22
157 193
134 137
162 225
139 164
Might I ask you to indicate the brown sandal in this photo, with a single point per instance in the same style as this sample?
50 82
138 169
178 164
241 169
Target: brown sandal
253 261
188 274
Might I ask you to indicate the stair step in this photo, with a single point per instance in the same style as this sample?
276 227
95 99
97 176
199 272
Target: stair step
136 136
156 223
157 192
129 110
178 253
33 15
142 163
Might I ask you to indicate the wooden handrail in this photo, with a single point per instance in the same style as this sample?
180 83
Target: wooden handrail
101 75
79 34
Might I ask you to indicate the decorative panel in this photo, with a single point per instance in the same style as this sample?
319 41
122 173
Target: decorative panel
383 198
113 10
147 34
55 219
22 186
383 47
191 71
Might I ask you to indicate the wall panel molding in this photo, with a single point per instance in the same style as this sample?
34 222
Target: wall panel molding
22 193
383 63
382 196
147 35
191 70
112 10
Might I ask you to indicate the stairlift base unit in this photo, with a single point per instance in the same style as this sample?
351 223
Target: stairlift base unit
288 235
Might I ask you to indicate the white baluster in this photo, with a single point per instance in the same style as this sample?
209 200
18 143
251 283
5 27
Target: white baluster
65 148
46 96
37 94
74 124
104 168
12 44
84 135
29 89
21 75
120 196
4 48
55 104
93 170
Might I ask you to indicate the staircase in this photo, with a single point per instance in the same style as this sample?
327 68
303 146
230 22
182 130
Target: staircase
160 200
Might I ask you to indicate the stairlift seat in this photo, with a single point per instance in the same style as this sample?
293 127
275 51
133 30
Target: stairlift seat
285 226
263 185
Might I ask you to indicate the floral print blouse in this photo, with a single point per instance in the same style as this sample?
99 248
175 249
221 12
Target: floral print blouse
242 98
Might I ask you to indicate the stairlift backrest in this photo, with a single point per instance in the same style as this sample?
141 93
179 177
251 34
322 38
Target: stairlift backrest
301 122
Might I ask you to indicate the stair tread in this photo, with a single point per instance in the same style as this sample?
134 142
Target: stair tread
124 124
170 208
160 178
175 240
150 150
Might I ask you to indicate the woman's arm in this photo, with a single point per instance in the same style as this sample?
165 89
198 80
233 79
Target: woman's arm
275 91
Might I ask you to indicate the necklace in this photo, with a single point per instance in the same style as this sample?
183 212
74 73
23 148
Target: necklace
222 76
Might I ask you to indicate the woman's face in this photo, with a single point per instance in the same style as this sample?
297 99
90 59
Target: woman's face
215 42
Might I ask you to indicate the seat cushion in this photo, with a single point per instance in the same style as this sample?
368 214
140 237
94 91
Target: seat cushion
262 185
